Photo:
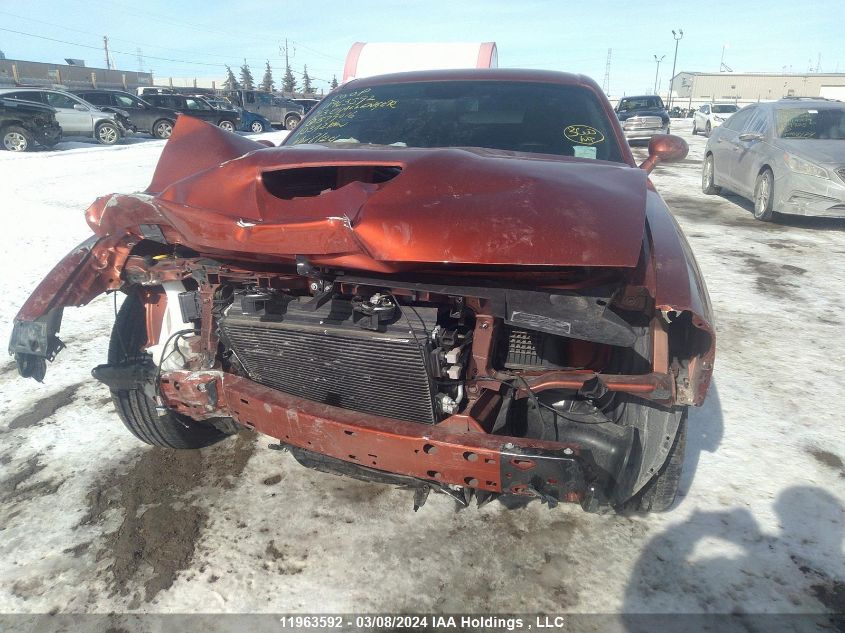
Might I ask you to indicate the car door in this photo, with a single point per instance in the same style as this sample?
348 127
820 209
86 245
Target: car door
701 116
139 116
200 109
725 146
751 151
73 119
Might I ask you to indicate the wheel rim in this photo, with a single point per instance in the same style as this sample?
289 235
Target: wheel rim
164 130
257 127
291 123
15 142
107 134
708 173
227 125
764 192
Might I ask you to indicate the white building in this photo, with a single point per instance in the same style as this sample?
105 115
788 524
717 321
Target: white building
691 89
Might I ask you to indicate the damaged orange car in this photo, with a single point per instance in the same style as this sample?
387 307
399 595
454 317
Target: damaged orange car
456 281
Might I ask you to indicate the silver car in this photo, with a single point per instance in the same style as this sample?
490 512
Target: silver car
787 157
76 116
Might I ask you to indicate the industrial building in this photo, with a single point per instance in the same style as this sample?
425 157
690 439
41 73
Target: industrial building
15 72
692 89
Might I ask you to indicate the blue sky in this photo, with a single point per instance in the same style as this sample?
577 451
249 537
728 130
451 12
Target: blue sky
570 36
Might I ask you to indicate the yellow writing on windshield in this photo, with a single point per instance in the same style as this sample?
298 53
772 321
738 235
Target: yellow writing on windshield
583 134
342 109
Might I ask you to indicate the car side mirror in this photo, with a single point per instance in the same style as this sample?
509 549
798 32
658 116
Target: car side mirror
80 107
751 136
664 148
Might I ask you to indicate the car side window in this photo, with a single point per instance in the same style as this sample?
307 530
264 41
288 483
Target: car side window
58 100
250 97
757 124
738 120
25 96
97 98
124 101
264 99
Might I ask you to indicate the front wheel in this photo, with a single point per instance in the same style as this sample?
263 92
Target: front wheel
135 408
764 191
707 129
107 134
163 129
660 492
17 139
291 122
694 128
707 177
257 127
226 125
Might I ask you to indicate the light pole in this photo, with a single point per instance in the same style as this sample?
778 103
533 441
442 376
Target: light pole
678 36
656 72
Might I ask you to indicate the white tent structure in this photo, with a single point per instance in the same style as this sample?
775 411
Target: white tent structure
366 59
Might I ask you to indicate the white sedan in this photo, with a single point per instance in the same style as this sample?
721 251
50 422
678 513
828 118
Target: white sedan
711 115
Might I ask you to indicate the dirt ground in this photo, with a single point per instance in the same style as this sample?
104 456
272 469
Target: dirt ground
92 521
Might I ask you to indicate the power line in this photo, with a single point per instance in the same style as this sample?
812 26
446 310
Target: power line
53 39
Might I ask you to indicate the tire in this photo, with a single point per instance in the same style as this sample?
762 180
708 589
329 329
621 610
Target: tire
292 121
256 126
17 139
162 129
107 134
135 408
707 129
660 492
694 129
764 195
227 125
708 176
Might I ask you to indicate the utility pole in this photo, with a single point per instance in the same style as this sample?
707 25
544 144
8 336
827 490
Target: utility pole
140 55
106 47
656 72
678 36
605 85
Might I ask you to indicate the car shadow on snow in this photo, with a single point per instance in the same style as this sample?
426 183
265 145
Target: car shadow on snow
723 567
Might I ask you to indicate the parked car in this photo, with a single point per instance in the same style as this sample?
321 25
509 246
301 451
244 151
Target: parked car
786 156
278 110
307 104
642 117
145 117
199 108
25 123
252 122
76 116
711 115
219 102
546 345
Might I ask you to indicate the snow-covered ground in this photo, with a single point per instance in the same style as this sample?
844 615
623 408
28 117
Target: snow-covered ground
91 520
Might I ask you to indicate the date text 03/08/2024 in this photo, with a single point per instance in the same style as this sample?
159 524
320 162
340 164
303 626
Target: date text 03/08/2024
508 623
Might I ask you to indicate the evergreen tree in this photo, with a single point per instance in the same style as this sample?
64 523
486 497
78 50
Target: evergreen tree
307 88
246 77
231 83
289 82
334 82
267 84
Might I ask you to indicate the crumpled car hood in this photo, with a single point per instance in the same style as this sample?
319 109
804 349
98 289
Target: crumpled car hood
456 206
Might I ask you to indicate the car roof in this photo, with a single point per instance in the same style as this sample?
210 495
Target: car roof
803 102
474 74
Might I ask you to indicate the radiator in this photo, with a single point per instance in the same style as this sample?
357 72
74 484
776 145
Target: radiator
382 373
